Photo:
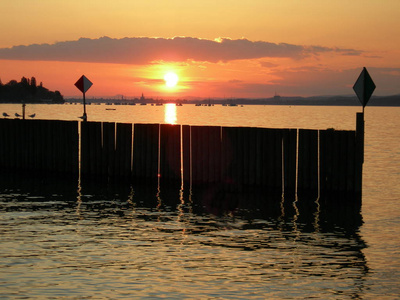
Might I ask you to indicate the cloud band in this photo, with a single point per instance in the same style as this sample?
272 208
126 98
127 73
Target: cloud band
144 50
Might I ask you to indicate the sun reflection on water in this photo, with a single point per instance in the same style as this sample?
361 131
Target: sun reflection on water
170 113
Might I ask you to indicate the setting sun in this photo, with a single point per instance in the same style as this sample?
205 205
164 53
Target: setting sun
171 79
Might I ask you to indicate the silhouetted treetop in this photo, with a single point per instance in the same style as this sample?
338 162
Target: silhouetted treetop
28 91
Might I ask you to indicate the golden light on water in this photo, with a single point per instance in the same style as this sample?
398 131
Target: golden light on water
170 113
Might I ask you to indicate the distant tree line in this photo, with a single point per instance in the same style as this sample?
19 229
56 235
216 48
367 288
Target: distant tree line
28 91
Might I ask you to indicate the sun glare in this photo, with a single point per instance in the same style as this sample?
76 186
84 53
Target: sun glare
171 79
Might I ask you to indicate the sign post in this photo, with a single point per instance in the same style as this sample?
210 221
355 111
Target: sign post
83 84
364 87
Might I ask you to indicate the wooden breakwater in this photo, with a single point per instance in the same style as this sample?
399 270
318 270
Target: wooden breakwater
39 146
288 160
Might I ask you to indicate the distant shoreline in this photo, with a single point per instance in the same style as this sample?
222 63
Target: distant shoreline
314 101
384 101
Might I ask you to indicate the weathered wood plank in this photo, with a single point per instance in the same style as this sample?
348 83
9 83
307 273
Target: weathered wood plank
186 148
290 153
145 151
170 164
308 160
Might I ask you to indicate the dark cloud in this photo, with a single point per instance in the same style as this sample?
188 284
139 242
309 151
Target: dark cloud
147 50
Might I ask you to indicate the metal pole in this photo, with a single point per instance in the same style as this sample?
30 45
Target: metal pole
359 155
84 108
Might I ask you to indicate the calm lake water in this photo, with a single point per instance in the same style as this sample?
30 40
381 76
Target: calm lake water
110 241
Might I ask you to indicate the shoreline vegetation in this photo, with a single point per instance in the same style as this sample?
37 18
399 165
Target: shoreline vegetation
28 91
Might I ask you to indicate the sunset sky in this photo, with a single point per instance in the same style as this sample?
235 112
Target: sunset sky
219 48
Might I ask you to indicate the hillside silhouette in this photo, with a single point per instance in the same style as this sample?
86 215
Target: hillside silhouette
27 91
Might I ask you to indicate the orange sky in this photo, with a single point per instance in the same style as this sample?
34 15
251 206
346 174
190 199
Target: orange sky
226 48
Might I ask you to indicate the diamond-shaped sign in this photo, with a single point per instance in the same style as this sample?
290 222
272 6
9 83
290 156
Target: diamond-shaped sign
83 84
364 87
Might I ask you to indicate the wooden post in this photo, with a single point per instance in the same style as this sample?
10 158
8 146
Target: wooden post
170 155
218 154
18 154
31 145
153 146
277 165
90 149
108 149
204 154
226 155
197 154
308 160
229 148
210 158
2 144
326 150
74 137
138 152
186 153
259 157
84 165
246 145
240 156
351 142
95 149
37 145
252 157
335 161
123 150
290 155
145 151
118 153
55 135
7 145
343 162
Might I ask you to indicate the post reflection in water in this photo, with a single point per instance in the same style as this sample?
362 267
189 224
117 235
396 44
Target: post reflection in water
157 238
170 113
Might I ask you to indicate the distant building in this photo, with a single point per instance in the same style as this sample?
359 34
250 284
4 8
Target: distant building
277 97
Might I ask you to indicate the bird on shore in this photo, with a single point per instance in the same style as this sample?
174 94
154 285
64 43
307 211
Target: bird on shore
17 115
5 115
32 116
